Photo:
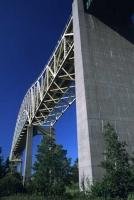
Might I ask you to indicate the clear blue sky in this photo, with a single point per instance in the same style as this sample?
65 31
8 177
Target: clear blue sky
29 31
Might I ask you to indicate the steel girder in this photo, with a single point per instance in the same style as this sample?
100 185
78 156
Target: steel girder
52 93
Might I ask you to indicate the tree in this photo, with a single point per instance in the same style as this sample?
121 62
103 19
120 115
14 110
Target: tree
11 184
116 182
73 188
1 164
52 168
74 172
7 167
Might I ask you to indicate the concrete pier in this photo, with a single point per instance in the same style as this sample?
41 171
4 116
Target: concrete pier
28 155
104 74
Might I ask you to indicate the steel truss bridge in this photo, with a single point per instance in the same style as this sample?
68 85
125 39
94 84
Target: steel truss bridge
51 94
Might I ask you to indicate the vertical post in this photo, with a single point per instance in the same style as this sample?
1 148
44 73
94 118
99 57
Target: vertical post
81 52
28 155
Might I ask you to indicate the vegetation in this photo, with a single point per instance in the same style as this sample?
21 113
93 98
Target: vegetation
80 197
118 179
10 182
52 168
55 178
1 165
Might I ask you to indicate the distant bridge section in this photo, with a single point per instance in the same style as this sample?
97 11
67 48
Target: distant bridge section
52 93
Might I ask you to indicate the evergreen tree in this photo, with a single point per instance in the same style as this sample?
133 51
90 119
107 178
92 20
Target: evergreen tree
1 164
52 168
116 182
11 184
74 172
73 188
7 167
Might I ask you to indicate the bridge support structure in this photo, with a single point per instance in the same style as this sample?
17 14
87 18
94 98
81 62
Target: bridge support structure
104 88
28 155
31 130
16 166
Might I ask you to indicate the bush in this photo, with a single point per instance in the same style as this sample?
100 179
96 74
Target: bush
131 197
10 184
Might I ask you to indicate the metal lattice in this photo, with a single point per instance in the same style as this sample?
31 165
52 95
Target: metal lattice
52 93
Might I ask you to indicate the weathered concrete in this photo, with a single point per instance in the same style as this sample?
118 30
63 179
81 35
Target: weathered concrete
28 155
104 71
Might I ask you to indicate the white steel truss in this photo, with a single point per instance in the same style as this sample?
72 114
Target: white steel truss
52 93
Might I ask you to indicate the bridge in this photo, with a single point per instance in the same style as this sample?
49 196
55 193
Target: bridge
83 67
51 94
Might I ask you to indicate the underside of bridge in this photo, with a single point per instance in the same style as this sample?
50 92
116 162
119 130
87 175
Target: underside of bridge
116 14
92 63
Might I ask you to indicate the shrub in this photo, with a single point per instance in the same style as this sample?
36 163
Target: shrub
10 184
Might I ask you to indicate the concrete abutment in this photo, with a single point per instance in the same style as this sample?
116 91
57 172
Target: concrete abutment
104 73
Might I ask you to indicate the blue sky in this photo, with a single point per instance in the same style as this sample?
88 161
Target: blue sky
29 31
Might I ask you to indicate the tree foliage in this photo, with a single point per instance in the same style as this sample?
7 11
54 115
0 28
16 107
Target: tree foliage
116 182
1 164
52 168
11 184
74 172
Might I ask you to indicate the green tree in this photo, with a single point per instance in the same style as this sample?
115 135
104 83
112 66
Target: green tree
73 188
52 168
7 167
116 182
11 184
1 164
74 172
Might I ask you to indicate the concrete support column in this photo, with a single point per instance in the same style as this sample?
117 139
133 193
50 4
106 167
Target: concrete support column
28 155
104 83
18 166
81 50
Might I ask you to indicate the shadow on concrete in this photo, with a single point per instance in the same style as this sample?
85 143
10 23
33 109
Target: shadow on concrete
117 14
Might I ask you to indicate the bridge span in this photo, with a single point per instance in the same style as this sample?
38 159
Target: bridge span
51 94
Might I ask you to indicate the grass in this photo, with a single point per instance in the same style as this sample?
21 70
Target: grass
24 197
32 197
35 197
